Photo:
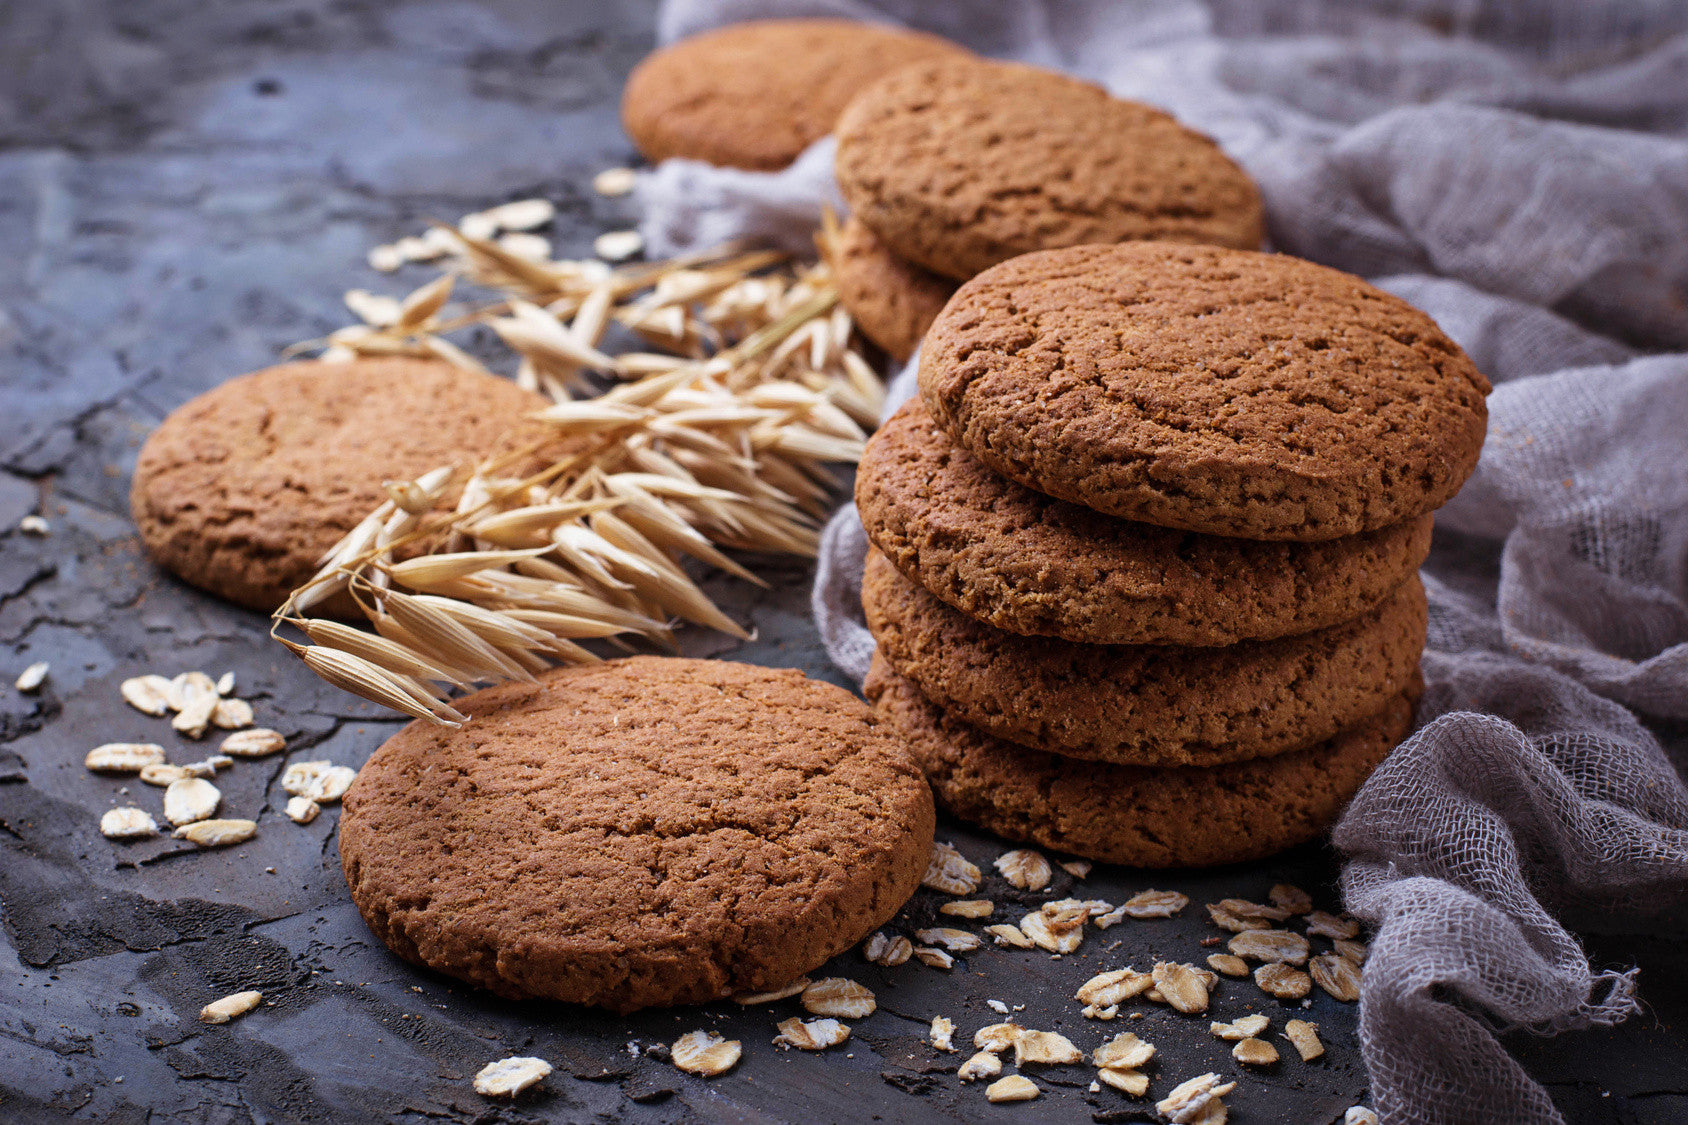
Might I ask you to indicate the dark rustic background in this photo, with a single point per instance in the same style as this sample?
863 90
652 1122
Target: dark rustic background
187 188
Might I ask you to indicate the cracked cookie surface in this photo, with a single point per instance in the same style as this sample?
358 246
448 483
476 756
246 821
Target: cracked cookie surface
642 832
756 94
957 164
242 490
1151 705
1028 563
1186 816
1221 391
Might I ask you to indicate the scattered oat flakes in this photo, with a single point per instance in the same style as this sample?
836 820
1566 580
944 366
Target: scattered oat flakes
508 1077
149 695
1225 920
1025 868
1196 1102
1154 904
1124 1051
1124 1079
127 824
942 1034
1006 933
1355 951
951 872
1337 975
982 1065
302 810
1252 911
998 1006
837 996
997 1037
217 833
188 688
618 245
1045 1048
705 1053
1270 945
231 714
1110 918
1077 868
1283 981
1112 988
478 225
533 247
1228 964
1331 926
123 757
811 1035
1288 897
1246 1028
162 773
193 719
1305 1037
322 782
1359 1115
258 742
522 214
225 684
1051 936
956 941
614 181
1254 1052
887 950
226 1009
1184 986
792 989
190 799
1014 1088
933 958
34 525
1093 1012
968 908
1068 913
385 258
31 678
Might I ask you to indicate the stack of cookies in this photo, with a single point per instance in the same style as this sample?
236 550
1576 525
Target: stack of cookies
954 163
1144 585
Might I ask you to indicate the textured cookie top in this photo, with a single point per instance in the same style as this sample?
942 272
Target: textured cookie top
1152 705
242 490
892 301
1222 391
1178 817
1028 563
644 831
755 95
962 163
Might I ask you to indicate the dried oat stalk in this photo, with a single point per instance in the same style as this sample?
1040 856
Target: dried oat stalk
719 434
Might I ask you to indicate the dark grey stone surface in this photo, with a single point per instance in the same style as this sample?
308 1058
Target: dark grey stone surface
184 190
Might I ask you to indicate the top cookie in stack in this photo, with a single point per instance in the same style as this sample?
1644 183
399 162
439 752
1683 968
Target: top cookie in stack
1149 536
952 165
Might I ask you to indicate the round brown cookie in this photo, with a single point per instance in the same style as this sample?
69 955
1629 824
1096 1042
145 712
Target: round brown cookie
1147 705
1031 564
958 164
892 301
641 832
755 95
1233 393
1189 816
242 490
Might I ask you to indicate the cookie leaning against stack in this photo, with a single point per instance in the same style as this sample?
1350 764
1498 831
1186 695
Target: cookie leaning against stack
951 165
1145 587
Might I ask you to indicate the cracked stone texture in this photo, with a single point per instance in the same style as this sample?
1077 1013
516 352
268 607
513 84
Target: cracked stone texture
186 189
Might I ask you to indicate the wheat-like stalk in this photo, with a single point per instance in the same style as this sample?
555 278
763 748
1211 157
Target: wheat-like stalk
717 437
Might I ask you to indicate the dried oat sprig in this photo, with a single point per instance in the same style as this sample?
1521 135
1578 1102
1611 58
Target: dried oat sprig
720 436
